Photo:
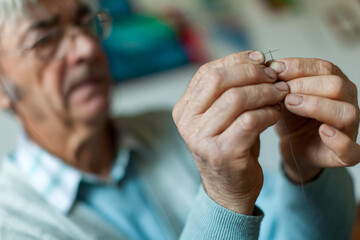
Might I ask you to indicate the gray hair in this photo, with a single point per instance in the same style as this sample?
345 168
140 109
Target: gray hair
11 9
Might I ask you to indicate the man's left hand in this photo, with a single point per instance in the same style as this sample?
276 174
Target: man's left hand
321 115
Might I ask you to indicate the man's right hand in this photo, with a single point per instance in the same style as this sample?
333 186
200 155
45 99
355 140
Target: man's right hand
226 106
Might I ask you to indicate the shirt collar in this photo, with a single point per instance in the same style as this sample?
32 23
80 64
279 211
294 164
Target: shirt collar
57 181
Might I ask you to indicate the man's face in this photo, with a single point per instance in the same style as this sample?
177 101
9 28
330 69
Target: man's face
73 84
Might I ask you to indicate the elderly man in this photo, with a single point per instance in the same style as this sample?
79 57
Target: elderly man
78 174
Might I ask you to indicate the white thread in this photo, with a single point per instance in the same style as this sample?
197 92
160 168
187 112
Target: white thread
290 145
296 164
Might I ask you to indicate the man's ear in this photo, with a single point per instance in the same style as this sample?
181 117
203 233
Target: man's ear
5 102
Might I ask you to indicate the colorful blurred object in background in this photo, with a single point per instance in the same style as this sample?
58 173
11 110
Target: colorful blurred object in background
226 26
345 23
140 44
277 5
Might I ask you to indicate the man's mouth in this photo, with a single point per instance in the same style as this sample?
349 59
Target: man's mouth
84 89
86 82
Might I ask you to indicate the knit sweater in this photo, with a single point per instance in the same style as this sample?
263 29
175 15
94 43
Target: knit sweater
172 177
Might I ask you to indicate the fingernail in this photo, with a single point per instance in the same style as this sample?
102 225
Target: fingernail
294 100
279 67
282 86
328 131
256 56
271 73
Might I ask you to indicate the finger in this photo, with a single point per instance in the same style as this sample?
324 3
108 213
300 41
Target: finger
217 81
291 68
339 114
244 131
346 151
250 57
238 100
328 86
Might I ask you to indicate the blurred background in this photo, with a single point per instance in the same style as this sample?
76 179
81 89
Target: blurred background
157 45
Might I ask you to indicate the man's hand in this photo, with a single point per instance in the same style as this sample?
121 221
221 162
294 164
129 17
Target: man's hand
322 116
228 103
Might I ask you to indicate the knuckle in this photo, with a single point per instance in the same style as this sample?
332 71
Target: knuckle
273 115
234 96
204 69
187 127
216 161
354 91
353 87
182 128
249 121
176 113
214 77
262 93
267 91
232 59
326 67
193 143
351 114
337 87
252 71
298 66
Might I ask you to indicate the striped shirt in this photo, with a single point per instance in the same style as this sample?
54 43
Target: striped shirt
122 201
57 181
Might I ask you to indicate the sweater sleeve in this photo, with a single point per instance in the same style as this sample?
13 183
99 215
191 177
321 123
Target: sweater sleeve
208 220
323 209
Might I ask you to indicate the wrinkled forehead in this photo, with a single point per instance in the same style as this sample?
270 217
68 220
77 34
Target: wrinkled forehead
44 9
17 15
39 9
11 11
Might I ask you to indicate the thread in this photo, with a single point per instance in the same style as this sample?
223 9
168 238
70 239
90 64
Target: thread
296 162
291 146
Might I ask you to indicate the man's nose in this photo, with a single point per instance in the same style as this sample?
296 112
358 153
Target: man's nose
82 48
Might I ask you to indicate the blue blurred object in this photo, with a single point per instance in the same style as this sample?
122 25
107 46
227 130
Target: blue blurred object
226 25
234 33
140 45
117 8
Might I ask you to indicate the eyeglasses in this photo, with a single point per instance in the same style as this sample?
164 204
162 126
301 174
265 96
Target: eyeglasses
51 45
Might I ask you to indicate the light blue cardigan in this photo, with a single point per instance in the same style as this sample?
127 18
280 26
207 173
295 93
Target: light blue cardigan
327 213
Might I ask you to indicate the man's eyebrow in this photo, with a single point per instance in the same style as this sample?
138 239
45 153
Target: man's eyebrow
81 11
45 23
42 24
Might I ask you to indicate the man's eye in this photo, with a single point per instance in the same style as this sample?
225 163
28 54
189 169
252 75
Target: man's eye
48 45
48 39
